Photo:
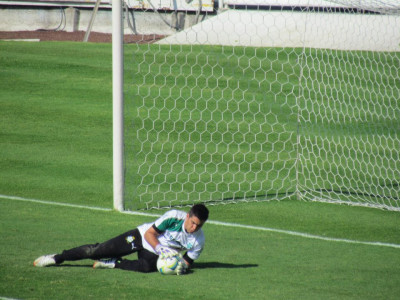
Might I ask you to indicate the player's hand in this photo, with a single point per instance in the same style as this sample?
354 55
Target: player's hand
182 267
165 251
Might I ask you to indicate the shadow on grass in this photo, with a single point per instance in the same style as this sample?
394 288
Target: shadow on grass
219 265
199 265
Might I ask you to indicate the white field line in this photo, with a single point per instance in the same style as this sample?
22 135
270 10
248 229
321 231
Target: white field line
218 223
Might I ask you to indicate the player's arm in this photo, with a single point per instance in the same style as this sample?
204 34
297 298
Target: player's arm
151 236
187 260
191 255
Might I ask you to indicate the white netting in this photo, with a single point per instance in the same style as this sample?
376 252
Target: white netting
260 104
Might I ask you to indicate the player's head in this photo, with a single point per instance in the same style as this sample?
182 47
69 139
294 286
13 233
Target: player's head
196 218
200 211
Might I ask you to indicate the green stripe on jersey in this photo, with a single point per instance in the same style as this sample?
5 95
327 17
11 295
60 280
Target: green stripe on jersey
171 224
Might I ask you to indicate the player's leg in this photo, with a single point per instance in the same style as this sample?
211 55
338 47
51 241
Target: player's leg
146 262
119 246
124 244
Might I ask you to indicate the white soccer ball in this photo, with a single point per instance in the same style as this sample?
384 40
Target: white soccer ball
168 265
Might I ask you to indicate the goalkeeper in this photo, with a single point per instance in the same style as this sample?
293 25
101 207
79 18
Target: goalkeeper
173 233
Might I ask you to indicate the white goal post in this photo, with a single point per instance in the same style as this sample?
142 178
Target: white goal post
118 104
262 100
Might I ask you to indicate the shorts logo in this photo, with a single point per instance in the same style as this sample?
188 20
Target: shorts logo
130 240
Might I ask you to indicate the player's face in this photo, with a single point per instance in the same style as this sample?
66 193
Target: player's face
192 224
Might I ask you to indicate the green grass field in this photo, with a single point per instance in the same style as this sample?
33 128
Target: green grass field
56 145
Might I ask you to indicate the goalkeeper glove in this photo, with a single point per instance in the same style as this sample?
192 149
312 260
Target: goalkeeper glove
182 267
164 251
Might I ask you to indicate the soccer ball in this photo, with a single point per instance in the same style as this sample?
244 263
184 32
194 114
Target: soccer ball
167 265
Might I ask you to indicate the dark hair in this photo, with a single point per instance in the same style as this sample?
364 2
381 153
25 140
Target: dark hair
200 211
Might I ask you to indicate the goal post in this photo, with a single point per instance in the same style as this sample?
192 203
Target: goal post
118 105
260 102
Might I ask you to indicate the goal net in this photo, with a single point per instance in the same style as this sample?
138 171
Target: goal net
260 100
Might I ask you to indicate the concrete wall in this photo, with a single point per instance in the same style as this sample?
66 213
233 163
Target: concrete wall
74 19
371 32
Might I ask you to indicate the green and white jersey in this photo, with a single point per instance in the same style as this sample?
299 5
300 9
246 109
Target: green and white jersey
173 234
